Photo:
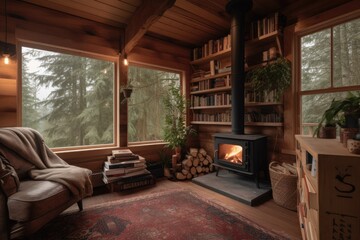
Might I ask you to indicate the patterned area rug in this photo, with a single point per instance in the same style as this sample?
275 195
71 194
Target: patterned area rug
168 215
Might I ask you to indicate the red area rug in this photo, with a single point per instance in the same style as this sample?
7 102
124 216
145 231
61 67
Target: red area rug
169 215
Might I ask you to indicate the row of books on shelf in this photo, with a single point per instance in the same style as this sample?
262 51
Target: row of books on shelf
217 99
123 164
263 96
212 46
210 84
212 117
255 116
266 25
249 117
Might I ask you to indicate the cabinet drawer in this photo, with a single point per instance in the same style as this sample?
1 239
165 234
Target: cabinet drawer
310 195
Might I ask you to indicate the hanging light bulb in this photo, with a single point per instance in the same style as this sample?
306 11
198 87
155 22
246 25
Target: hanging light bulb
125 60
6 58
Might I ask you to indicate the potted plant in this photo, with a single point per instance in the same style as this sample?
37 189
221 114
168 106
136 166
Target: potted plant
345 112
175 130
274 77
126 91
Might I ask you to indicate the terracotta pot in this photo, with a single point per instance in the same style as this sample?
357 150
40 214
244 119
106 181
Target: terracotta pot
347 133
327 132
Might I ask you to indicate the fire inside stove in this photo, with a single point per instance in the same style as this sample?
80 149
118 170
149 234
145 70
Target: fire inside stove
231 153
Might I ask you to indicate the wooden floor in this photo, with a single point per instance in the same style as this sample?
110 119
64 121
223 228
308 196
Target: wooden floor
268 215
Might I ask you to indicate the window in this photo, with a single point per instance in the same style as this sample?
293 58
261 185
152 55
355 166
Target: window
69 99
329 64
145 107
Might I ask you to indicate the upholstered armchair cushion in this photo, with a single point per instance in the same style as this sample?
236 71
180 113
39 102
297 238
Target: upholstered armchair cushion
33 199
8 178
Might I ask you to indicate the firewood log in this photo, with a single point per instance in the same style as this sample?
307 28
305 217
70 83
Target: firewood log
207 169
184 171
206 162
209 158
199 169
189 176
193 152
193 170
203 152
196 162
180 176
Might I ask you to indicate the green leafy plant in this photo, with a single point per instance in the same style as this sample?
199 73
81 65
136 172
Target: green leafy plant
339 111
175 130
275 77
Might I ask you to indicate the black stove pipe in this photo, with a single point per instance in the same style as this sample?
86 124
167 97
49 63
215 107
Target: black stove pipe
238 9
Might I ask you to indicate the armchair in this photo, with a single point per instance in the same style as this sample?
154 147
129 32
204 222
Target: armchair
36 185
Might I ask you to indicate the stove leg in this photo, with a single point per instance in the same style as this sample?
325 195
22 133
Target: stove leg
217 171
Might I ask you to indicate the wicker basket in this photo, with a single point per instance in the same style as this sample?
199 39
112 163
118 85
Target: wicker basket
284 186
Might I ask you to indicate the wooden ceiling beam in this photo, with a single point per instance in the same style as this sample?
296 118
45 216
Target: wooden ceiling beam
147 14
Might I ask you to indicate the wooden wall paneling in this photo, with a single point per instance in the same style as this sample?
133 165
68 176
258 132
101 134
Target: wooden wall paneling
8 119
7 87
290 97
7 103
123 107
8 71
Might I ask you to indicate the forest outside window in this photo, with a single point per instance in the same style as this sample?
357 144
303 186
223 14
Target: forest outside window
330 60
68 98
146 114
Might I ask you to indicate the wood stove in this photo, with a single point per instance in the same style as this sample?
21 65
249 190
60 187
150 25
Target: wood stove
245 154
250 150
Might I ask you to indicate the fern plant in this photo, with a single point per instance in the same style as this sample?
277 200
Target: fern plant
275 77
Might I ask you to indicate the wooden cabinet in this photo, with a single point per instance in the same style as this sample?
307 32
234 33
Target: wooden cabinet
328 189
210 87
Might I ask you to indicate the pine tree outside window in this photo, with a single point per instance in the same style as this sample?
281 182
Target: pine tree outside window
68 98
146 115
329 68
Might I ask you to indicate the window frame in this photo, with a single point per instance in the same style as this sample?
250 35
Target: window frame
297 64
182 91
66 50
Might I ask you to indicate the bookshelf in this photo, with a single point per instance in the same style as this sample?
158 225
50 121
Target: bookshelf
210 86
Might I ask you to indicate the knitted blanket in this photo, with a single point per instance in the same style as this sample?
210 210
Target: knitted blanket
27 145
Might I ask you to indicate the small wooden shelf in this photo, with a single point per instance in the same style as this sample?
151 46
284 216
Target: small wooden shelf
228 88
210 107
195 80
259 104
210 123
265 124
224 53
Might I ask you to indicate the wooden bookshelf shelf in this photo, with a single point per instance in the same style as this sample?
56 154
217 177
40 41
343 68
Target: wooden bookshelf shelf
194 80
212 90
223 53
265 124
211 107
259 104
210 123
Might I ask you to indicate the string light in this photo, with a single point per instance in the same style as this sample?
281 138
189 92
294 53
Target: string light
6 58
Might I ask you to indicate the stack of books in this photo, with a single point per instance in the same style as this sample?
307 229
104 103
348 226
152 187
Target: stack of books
123 164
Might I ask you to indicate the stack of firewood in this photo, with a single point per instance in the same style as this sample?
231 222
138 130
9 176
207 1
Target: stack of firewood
196 163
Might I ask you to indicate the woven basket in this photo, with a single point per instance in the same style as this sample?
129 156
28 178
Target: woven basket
284 187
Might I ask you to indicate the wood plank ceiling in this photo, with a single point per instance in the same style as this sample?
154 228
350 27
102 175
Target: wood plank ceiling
188 22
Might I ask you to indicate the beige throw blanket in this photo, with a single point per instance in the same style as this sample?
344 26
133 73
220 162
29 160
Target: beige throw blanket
27 145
